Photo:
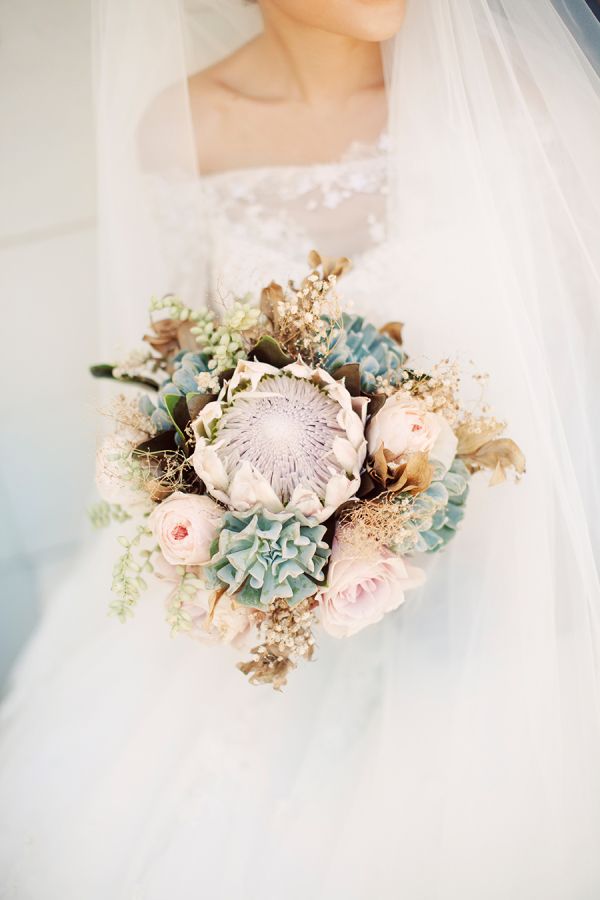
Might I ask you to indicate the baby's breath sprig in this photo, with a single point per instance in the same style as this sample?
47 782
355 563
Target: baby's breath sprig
187 587
304 317
128 583
102 514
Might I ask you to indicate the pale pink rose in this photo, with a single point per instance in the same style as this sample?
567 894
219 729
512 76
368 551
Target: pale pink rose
185 526
164 570
446 445
223 623
362 589
403 426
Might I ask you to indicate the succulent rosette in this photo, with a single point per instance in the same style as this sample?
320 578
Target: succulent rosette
264 556
379 356
187 368
281 439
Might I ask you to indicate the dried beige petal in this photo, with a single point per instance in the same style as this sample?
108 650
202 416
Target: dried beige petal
473 435
379 465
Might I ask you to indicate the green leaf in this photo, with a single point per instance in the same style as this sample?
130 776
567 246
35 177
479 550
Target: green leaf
351 375
268 351
104 370
225 376
197 402
376 401
368 487
164 442
178 411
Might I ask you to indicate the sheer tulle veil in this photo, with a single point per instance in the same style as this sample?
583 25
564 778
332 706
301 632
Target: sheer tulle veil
491 677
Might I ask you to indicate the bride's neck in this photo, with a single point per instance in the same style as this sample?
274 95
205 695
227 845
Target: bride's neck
316 66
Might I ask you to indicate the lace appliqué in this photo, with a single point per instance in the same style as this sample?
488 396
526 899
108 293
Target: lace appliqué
297 204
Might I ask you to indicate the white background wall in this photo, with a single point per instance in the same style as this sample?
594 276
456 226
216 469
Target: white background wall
47 283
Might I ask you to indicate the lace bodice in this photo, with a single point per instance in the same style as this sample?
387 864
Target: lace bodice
259 224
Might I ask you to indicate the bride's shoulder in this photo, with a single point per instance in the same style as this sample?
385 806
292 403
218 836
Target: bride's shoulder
220 100
220 104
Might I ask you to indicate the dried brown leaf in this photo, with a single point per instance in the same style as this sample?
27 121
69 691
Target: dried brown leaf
331 265
270 298
393 330
414 476
187 341
411 475
164 337
498 455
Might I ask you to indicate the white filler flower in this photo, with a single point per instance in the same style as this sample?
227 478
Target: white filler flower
281 438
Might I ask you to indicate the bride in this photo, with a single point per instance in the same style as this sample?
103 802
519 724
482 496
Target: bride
453 752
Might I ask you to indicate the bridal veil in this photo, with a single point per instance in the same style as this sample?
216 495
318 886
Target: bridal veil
481 776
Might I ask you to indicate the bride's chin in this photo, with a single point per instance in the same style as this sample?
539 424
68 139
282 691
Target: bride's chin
365 20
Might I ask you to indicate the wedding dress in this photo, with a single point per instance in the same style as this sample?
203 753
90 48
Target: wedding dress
449 753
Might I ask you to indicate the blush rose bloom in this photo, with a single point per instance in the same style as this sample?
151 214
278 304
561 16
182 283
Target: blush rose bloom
185 525
362 589
404 426
222 623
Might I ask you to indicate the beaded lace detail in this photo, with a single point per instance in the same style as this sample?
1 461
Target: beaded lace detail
282 202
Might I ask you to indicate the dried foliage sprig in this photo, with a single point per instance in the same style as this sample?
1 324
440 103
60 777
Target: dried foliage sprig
102 514
184 592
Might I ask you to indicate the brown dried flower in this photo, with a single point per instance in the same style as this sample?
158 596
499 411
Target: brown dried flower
411 474
368 525
170 336
287 637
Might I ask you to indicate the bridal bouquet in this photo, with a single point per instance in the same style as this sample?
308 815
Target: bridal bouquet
286 464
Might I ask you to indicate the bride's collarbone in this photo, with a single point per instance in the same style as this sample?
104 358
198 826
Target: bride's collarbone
235 130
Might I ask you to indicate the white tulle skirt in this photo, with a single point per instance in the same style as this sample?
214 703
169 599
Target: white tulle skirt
421 759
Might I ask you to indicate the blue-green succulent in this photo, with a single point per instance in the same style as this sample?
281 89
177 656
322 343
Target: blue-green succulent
263 556
359 341
182 381
438 511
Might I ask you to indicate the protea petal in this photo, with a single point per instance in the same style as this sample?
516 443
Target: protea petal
284 438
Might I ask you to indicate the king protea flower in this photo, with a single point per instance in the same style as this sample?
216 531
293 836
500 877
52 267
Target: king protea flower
290 438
